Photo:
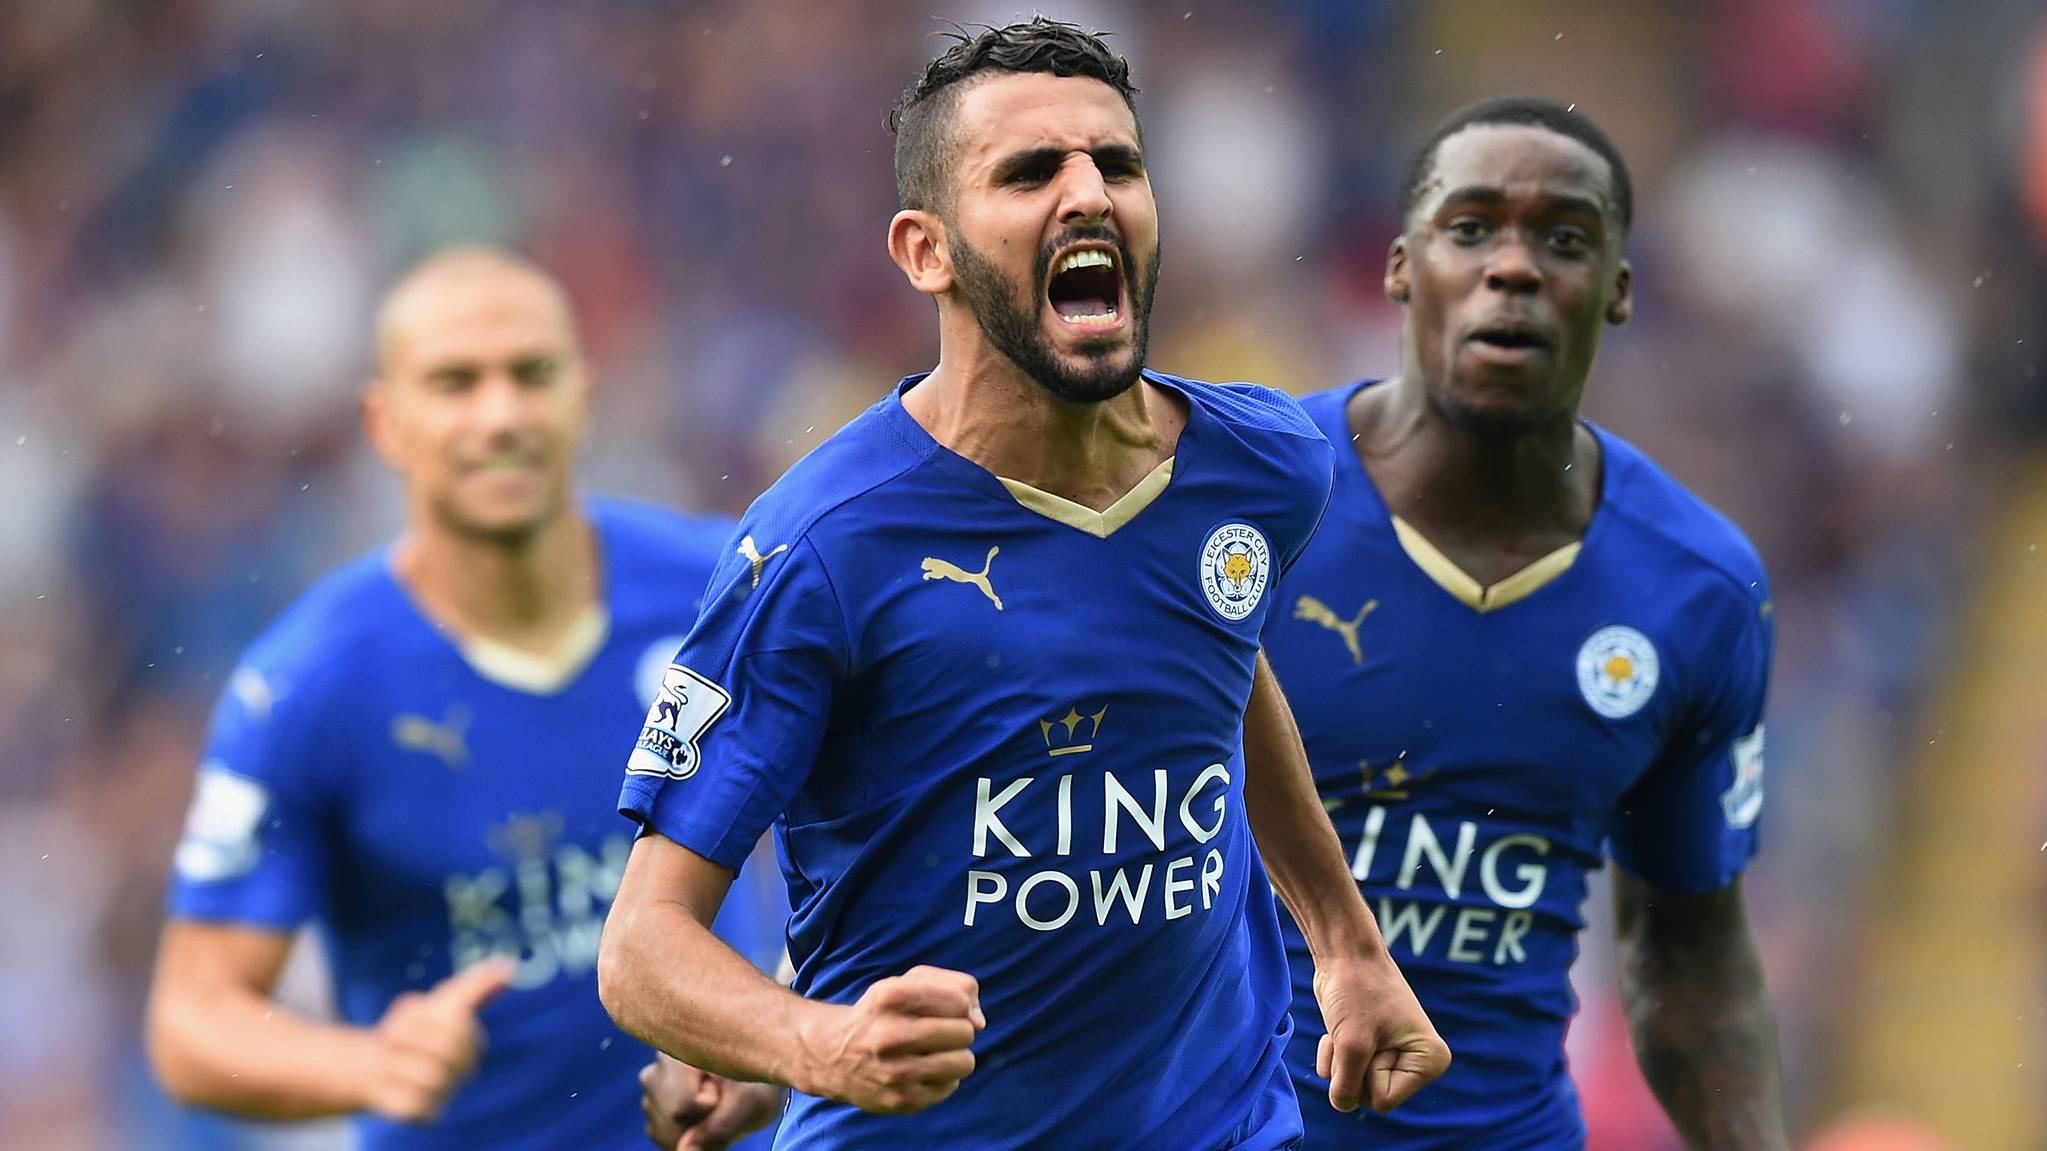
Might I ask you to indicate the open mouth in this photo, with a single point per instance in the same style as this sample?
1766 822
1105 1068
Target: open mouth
1086 288
1512 337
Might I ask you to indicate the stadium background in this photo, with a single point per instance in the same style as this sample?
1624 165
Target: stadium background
1842 217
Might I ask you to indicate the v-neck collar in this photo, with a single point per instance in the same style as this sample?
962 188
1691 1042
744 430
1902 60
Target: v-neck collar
1440 568
1100 524
1465 588
514 668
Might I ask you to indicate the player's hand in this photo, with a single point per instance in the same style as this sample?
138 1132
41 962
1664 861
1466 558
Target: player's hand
904 1046
1380 1046
429 1042
692 1110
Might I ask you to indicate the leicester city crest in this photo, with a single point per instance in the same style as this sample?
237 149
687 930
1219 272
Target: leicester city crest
1617 670
1235 566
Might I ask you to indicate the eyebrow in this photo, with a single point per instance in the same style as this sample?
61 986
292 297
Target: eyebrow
1481 194
1114 155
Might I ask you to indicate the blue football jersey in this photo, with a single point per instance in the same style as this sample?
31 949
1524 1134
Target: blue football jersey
993 732
1481 749
366 774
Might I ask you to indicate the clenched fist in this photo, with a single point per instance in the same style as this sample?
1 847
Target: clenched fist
904 1046
1380 1047
428 1043
692 1110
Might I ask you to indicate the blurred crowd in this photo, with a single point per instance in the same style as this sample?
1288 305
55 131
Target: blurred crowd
1841 230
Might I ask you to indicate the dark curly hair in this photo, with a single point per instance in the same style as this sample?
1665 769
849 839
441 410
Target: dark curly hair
920 121
1534 111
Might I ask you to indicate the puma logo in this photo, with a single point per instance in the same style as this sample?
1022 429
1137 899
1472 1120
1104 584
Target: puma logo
752 553
935 568
447 739
1315 611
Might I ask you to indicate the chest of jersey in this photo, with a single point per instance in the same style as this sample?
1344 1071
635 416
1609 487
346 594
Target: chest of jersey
1473 762
1547 709
1025 642
477 820
1041 719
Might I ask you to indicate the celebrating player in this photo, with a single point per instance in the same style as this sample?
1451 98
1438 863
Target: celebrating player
987 677
1515 640
417 756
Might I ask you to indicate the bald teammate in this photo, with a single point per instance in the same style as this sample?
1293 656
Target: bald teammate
418 756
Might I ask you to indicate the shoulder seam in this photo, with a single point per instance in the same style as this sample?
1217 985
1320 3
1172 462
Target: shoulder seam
838 601
818 516
1723 570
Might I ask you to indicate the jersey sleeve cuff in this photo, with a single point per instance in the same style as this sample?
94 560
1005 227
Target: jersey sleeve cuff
199 905
647 801
1691 880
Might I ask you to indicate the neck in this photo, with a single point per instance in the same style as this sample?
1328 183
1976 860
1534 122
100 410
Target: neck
1483 478
978 403
524 592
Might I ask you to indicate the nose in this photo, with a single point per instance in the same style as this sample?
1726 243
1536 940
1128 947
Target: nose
1083 194
501 406
1512 267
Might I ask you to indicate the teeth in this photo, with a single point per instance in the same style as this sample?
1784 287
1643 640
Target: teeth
1101 320
1092 258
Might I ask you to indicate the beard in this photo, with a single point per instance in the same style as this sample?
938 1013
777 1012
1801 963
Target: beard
1008 315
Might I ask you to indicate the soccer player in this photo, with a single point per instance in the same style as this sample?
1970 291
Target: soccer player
417 756
1515 642
986 678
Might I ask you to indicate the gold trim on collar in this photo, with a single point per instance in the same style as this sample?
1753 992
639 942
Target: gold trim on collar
1098 524
533 674
1470 592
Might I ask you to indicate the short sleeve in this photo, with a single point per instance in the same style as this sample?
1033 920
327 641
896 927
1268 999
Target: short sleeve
1690 824
741 713
253 850
1318 481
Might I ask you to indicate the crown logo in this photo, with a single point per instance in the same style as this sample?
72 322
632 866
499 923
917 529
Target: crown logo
1395 782
524 838
1069 726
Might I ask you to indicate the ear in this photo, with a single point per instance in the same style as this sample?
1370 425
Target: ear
916 242
373 405
1621 304
1397 284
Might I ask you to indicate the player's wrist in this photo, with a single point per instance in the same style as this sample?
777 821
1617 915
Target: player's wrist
1340 931
810 1066
356 1067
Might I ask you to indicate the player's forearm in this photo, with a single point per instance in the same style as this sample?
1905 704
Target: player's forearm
1704 1031
235 1051
665 978
1303 857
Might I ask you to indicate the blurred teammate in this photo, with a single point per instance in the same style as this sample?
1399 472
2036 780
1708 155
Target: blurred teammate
418 756
985 670
1515 642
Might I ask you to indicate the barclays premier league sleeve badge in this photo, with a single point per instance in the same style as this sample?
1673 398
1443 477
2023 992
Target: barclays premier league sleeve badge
684 707
1235 565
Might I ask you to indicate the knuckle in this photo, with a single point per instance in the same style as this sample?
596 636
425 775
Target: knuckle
898 1101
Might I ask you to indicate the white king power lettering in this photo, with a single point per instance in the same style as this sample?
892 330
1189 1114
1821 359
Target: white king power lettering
544 905
1139 818
1507 872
